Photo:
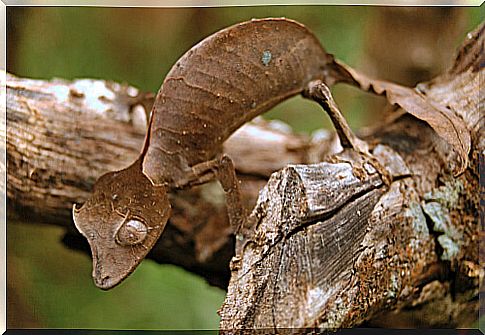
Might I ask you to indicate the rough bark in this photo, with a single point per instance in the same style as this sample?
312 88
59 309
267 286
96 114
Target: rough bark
331 245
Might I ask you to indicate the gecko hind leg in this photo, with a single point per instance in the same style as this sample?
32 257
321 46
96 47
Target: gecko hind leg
320 93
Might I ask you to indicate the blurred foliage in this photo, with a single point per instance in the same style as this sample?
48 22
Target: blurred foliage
50 286
56 289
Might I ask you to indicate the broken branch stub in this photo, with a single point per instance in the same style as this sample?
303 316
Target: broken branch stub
309 223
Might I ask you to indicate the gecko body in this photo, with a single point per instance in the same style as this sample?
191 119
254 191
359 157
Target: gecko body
221 83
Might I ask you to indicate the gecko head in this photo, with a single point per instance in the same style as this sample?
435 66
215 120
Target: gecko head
122 221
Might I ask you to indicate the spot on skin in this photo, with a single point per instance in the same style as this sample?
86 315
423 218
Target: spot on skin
266 57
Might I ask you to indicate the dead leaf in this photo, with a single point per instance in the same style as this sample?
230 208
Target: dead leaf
443 120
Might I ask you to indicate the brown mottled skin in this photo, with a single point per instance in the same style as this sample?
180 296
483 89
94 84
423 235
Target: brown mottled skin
221 83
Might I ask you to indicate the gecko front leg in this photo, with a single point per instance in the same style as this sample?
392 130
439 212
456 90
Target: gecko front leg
222 168
226 174
319 92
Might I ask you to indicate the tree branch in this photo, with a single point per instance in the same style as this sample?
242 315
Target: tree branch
332 246
62 136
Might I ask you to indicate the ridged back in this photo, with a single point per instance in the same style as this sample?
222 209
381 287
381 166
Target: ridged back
224 81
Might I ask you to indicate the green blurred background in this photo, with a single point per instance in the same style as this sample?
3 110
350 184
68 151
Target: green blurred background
48 285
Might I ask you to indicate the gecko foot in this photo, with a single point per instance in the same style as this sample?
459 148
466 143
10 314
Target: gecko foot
319 92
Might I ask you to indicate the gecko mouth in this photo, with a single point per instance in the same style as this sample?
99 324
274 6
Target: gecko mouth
104 275
105 282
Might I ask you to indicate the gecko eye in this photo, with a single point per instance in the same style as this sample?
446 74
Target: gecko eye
131 232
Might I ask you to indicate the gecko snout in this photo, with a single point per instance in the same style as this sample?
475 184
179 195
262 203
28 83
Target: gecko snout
104 280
